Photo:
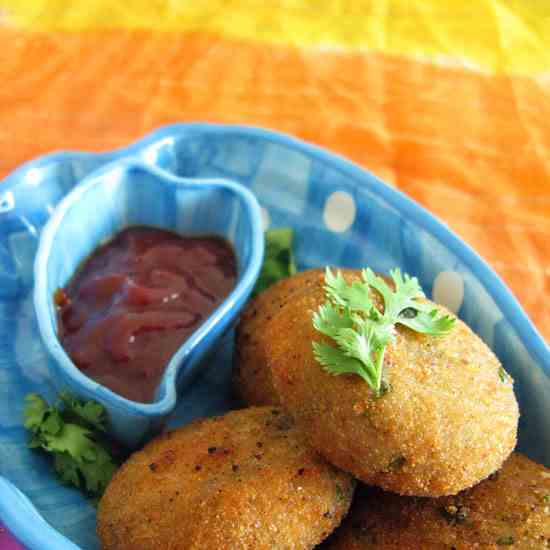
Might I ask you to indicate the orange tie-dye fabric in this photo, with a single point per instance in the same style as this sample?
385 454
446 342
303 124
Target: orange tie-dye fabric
461 126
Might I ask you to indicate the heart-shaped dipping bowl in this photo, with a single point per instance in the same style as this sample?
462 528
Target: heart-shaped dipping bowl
130 193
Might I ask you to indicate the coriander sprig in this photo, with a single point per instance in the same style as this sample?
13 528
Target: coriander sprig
73 432
361 331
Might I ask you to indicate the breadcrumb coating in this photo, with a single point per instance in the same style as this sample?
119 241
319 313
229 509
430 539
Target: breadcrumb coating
246 480
510 509
251 376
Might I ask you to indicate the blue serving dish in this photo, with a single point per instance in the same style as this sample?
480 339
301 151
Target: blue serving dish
341 214
127 193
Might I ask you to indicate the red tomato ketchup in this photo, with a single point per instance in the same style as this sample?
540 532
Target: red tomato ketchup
135 301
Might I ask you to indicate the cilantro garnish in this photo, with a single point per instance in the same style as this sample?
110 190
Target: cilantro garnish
72 431
278 258
361 331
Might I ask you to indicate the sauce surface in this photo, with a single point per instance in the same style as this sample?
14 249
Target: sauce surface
136 299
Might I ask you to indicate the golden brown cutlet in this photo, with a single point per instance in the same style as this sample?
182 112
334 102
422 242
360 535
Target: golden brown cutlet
449 420
511 509
251 376
245 480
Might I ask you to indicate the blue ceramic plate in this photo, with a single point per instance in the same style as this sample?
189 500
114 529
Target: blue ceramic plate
341 214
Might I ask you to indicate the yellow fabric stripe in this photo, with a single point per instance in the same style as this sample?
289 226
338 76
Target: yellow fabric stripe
511 36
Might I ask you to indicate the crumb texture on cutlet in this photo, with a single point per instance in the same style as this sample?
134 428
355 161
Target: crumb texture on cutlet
509 509
449 420
252 380
246 480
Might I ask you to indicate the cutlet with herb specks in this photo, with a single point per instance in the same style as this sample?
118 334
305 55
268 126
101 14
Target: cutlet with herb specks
444 417
246 480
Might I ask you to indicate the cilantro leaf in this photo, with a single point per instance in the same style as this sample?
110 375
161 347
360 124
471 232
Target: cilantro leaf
71 438
52 425
429 322
34 411
278 258
91 474
91 412
329 320
355 296
407 291
67 469
361 331
336 362
72 431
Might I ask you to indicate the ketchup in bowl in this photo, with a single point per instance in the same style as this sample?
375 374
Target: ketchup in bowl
135 301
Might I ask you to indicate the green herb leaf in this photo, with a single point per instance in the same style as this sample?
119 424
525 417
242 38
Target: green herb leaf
505 541
91 412
329 321
91 474
34 411
52 424
72 431
71 438
67 469
335 362
428 323
355 297
361 331
278 258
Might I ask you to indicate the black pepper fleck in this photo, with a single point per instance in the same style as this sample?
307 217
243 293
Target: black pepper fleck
396 463
455 514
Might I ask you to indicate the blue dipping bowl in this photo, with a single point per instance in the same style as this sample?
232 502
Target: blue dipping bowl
129 193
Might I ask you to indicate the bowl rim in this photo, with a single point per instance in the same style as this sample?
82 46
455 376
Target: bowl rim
226 310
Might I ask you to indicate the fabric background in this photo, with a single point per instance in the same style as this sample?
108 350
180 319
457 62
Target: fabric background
448 101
